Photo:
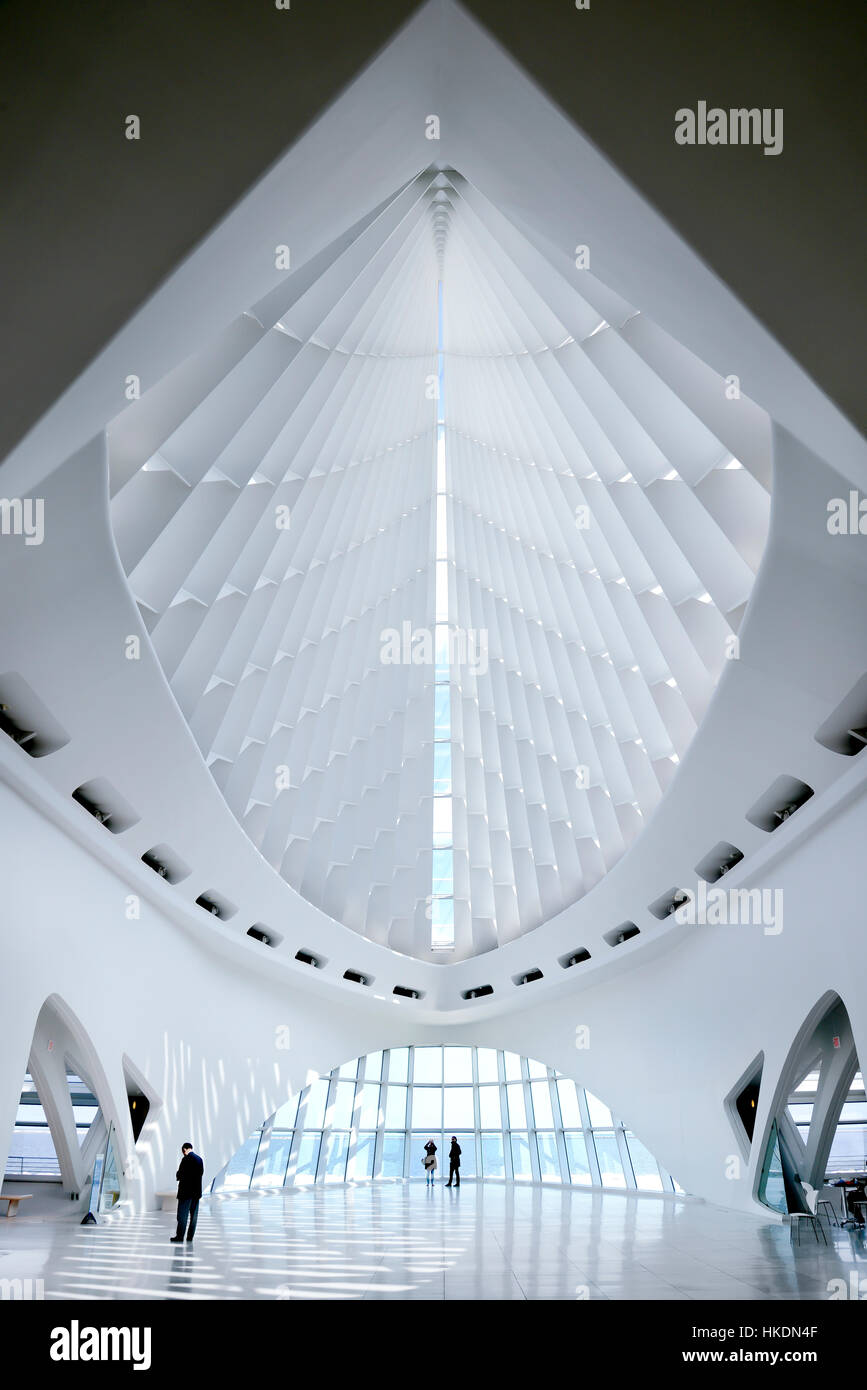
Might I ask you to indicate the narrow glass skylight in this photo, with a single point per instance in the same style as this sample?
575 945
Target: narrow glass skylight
442 915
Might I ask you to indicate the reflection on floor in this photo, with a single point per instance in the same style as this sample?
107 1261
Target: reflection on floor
404 1241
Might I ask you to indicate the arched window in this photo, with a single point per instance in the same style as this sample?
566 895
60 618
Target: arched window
515 1119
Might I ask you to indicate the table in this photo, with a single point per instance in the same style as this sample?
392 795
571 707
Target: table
12 1208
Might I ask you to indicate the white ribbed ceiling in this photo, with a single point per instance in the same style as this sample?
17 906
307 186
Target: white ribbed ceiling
604 642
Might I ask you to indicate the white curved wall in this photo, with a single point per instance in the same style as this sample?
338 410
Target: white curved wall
668 1039
675 1016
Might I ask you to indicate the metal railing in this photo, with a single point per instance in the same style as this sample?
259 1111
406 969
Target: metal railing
28 1165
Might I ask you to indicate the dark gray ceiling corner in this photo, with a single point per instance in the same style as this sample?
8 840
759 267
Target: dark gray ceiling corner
222 88
222 96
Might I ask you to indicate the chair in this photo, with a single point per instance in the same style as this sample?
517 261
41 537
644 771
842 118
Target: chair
853 1198
811 1197
833 1214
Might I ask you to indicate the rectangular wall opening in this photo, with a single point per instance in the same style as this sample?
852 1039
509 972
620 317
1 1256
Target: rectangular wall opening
308 958
718 861
669 902
264 934
783 798
527 977
25 719
168 865
216 905
618 935
845 729
102 801
356 977
573 958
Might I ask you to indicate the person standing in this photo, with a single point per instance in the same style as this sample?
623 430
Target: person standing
189 1176
454 1163
430 1162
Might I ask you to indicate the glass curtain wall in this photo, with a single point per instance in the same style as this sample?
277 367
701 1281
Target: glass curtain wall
32 1152
849 1147
516 1120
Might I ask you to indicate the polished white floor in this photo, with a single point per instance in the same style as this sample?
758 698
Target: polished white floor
405 1241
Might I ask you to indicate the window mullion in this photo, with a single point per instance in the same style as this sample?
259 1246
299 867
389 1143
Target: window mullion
625 1155
559 1129
263 1149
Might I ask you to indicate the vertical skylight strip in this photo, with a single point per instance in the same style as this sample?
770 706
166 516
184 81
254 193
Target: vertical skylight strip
442 937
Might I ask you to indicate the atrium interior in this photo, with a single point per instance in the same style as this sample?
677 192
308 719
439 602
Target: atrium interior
432 714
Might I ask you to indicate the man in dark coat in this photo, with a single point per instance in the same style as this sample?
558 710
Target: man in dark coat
454 1163
189 1177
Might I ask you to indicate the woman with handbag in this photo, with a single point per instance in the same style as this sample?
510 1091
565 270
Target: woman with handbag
430 1162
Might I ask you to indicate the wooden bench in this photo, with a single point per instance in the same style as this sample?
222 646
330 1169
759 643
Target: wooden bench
12 1208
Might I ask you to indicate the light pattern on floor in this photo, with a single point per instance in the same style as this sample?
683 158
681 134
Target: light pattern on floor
404 1241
